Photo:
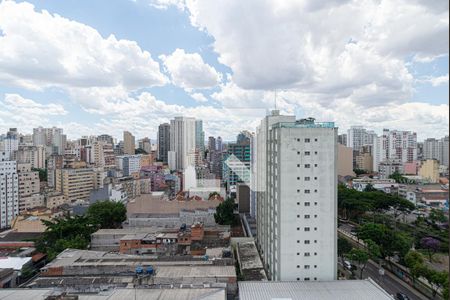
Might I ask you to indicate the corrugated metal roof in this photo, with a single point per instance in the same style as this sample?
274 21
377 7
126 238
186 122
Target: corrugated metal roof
313 290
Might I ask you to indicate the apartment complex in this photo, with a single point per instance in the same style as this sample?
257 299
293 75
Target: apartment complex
75 184
163 141
9 191
52 139
182 143
297 198
128 143
29 187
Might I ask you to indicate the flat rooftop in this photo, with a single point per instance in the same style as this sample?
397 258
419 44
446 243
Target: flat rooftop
312 290
150 204
120 294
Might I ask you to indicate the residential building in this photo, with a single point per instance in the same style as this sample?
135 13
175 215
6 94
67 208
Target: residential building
54 162
358 136
129 164
429 170
395 145
443 151
11 143
129 143
9 196
163 142
345 161
29 187
364 161
52 139
388 167
199 137
75 184
34 155
431 149
145 144
297 198
342 139
388 186
219 145
182 143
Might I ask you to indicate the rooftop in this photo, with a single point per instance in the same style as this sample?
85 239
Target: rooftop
152 204
119 294
312 290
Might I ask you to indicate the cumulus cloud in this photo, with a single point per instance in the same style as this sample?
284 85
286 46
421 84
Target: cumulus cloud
40 49
27 113
199 97
189 71
436 81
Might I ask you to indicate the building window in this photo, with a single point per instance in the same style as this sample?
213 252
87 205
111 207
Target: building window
298 253
307 178
307 166
298 203
315 266
298 242
315 241
298 279
306 203
298 152
315 216
306 267
298 228
298 266
315 278
315 178
315 203
315 165
298 191
315 191
307 140
298 216
315 228
307 153
298 140
315 140
306 253
306 278
307 191
306 242
306 228
307 216
315 152
298 178
315 253
298 165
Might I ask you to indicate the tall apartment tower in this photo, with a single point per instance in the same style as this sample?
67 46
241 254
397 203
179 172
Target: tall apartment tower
443 151
52 138
9 185
128 143
199 136
297 198
182 143
163 141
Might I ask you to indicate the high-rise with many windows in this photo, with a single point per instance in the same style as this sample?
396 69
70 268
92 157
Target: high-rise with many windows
9 187
182 143
297 198
129 143
163 141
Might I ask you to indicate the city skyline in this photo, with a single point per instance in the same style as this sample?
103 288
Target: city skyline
172 58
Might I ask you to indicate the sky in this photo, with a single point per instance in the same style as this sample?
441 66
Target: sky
95 67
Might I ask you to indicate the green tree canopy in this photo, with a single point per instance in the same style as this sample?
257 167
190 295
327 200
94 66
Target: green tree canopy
360 257
42 173
107 214
344 247
225 212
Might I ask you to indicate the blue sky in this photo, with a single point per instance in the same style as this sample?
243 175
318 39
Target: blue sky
221 61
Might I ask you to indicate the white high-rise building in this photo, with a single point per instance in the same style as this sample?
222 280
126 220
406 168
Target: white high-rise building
395 145
296 180
443 151
52 138
431 149
182 143
358 136
9 195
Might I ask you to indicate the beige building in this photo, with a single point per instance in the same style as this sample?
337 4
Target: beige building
146 160
34 155
54 199
75 184
345 161
364 161
429 170
128 143
29 187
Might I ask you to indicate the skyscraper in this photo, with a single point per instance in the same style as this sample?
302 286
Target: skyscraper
52 138
443 151
182 143
236 161
199 137
219 146
297 198
395 145
128 143
163 141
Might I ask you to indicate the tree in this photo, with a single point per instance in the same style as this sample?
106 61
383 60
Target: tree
213 194
438 280
437 216
66 232
359 172
373 249
140 151
107 214
225 213
360 257
401 206
344 247
431 244
398 177
414 261
42 173
369 188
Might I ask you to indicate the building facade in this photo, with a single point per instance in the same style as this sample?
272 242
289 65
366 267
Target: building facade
128 143
163 142
75 184
182 143
297 198
9 195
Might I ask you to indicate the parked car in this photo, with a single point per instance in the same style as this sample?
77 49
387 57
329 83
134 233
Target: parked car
347 265
401 296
